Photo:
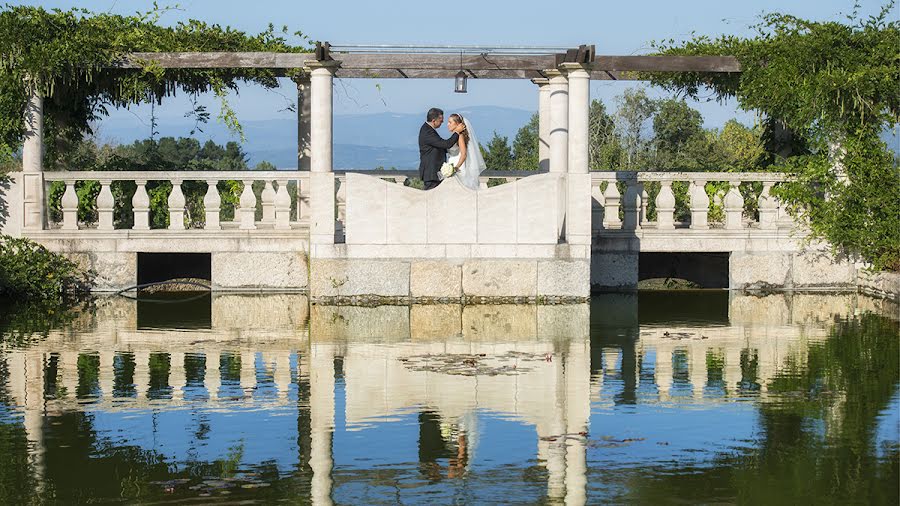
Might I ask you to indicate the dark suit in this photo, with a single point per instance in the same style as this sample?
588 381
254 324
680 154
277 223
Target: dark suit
432 154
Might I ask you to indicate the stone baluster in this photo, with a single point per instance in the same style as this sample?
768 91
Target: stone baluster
734 207
105 205
699 205
632 205
303 200
282 206
140 204
248 206
611 200
768 207
70 207
212 204
645 201
665 206
176 206
268 204
596 207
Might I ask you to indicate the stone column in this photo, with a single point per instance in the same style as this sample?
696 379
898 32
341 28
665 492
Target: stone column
32 164
559 121
321 223
543 123
578 202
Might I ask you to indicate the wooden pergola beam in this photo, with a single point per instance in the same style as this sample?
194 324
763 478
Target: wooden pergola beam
436 66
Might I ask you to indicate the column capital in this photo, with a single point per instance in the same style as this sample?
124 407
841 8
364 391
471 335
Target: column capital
575 69
314 65
552 73
541 81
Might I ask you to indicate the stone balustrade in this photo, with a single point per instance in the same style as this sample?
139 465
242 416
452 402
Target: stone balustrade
710 200
280 210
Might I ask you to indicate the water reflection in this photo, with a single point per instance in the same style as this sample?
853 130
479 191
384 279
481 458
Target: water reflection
631 398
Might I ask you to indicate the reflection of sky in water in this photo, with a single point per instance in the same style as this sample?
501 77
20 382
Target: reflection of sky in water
398 432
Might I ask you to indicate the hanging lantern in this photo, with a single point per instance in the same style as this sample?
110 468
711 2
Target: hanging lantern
460 86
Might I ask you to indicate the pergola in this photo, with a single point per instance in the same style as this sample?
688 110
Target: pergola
562 76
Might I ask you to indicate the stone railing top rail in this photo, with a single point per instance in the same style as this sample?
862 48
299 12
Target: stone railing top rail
180 175
646 176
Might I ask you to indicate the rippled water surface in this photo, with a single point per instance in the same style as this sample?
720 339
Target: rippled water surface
657 397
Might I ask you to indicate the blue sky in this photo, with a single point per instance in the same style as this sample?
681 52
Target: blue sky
616 28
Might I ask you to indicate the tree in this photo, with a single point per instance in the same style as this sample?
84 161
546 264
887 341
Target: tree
604 145
674 124
497 155
525 151
831 90
635 109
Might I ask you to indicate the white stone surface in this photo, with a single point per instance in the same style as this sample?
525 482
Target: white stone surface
578 210
451 214
259 270
538 209
435 279
347 278
820 269
564 278
111 271
11 204
497 214
759 270
500 278
406 214
367 213
321 220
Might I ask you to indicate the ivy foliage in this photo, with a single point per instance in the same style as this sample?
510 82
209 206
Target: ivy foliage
827 90
69 56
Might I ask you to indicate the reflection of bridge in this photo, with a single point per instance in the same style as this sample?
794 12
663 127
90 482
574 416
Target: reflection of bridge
552 234
393 361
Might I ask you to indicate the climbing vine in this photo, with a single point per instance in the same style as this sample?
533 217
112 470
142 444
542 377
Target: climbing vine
69 57
828 92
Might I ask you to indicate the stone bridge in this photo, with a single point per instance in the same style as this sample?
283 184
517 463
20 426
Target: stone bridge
549 234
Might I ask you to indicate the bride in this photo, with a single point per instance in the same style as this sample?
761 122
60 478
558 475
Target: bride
465 155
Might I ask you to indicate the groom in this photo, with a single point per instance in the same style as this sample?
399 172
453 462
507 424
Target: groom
433 148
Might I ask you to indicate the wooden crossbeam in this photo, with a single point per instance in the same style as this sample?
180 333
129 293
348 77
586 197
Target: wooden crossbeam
438 66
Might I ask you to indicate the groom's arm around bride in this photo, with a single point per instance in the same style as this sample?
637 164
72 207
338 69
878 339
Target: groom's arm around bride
433 148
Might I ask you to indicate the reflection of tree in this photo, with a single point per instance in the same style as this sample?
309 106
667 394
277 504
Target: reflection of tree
817 435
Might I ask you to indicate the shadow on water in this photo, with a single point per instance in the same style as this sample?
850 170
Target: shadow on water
694 396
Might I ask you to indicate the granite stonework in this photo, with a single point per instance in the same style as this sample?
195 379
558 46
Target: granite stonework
802 270
259 271
885 285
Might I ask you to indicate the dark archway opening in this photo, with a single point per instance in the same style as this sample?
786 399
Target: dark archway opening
157 267
700 270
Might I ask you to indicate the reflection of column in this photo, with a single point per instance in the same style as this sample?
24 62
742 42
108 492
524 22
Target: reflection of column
283 373
177 379
555 451
68 372
34 410
767 361
141 373
248 372
663 371
107 372
578 412
321 405
697 363
731 375
212 379
610 360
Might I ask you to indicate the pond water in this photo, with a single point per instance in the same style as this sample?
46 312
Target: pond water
654 397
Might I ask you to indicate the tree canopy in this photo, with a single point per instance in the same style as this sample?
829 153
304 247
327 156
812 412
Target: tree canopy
828 91
68 55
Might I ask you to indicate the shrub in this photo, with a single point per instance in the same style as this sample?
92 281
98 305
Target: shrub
30 271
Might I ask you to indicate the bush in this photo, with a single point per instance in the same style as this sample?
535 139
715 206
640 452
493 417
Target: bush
30 271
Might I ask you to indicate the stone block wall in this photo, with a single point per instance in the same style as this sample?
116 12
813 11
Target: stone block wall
340 280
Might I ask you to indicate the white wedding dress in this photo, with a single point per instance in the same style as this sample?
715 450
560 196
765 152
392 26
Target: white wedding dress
470 173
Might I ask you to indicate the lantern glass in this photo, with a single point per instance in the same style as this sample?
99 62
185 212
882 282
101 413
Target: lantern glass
460 86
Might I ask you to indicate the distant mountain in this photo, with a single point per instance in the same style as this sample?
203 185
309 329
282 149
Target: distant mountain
361 140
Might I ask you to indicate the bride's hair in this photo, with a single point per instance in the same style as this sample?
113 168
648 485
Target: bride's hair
459 119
